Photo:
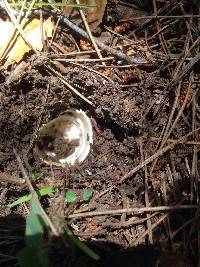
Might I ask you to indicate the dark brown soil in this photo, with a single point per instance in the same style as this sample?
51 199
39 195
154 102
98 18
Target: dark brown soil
131 106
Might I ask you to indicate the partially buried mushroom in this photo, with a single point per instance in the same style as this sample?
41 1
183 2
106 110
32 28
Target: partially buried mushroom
65 140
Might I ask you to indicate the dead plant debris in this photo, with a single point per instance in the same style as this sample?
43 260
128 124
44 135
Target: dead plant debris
138 80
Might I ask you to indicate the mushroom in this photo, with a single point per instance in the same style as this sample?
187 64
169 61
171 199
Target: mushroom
65 140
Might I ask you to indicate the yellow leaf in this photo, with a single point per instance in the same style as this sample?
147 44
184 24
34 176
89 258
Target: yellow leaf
33 33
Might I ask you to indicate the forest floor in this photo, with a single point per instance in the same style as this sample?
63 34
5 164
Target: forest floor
140 89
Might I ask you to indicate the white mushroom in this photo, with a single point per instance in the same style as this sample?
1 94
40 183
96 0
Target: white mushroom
66 139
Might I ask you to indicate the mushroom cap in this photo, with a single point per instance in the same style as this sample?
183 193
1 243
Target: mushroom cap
65 140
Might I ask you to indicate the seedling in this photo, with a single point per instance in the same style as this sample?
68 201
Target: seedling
35 254
41 193
71 196
87 195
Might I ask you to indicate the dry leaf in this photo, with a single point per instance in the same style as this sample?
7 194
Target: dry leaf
94 15
33 34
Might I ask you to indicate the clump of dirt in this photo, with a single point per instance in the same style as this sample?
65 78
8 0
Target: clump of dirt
25 102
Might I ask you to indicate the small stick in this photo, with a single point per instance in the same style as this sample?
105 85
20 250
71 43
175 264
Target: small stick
156 155
92 70
169 129
131 210
131 221
146 194
89 32
84 59
68 85
163 17
11 179
138 240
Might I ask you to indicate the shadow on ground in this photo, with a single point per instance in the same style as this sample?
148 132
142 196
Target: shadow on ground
62 253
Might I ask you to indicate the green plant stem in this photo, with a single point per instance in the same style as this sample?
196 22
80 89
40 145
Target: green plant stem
81 245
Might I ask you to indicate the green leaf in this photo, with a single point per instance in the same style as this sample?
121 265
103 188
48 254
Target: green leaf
70 197
81 245
87 195
34 228
38 177
41 192
35 224
20 201
27 258
31 257
35 253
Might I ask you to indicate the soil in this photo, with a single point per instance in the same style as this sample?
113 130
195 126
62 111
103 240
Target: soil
131 106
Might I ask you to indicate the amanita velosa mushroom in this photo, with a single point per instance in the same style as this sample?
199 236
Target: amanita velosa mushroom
65 140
